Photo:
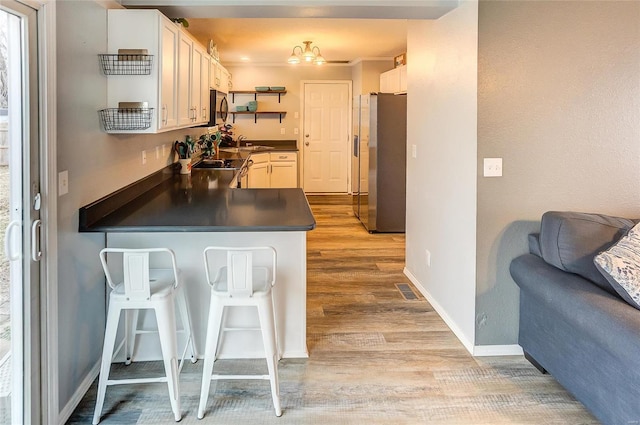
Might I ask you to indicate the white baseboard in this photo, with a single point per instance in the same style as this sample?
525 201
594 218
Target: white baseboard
441 311
497 350
474 350
75 400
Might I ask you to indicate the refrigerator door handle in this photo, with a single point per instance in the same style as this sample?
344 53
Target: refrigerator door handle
356 146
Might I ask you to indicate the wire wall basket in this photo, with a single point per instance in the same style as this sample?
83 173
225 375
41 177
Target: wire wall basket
126 64
115 119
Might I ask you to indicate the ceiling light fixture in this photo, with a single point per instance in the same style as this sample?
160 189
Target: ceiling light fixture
308 54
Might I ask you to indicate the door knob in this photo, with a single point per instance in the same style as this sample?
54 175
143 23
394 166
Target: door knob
306 143
306 135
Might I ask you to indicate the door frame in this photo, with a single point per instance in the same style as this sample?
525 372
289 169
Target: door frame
301 126
49 189
46 409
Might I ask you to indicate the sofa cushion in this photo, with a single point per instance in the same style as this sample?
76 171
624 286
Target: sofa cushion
620 265
534 244
570 241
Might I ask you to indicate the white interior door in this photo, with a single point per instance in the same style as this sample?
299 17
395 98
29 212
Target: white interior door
326 137
20 386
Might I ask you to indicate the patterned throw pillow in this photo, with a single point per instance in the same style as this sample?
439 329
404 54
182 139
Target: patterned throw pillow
620 264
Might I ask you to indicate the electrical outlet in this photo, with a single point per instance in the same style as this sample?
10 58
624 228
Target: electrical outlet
414 151
296 115
427 254
63 182
144 157
295 130
282 130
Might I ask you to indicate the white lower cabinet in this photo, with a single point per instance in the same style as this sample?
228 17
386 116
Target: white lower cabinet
273 170
258 176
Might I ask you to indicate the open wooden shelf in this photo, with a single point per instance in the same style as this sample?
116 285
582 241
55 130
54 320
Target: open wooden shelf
255 93
256 113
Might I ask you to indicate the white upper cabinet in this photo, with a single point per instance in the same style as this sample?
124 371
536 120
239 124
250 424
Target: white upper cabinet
168 108
185 62
204 88
394 81
177 87
219 77
225 80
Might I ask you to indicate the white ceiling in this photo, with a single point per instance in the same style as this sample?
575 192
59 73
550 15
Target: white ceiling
272 40
265 31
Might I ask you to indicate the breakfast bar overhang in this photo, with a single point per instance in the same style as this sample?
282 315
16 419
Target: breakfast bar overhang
190 212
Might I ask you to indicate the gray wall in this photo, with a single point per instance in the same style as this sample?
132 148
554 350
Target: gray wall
559 100
98 163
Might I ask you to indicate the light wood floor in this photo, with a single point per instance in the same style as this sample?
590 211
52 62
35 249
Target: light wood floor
375 357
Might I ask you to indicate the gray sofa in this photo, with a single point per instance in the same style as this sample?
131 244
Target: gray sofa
573 324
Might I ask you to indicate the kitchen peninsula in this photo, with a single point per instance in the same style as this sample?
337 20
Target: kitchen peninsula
189 212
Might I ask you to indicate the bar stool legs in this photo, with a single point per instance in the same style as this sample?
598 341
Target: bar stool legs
265 312
240 280
145 288
165 316
267 324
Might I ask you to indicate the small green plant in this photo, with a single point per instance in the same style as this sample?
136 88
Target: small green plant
182 21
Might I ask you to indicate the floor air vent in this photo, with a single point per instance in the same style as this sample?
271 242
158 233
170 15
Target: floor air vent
406 291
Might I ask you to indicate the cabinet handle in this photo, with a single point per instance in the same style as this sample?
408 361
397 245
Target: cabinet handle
204 113
165 114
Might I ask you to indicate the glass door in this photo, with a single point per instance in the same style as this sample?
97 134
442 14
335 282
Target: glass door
19 216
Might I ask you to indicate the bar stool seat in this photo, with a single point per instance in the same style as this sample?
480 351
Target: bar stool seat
237 282
143 287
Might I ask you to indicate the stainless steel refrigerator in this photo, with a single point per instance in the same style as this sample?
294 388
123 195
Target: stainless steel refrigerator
379 161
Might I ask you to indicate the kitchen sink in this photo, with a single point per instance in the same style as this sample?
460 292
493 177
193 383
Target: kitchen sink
220 164
252 148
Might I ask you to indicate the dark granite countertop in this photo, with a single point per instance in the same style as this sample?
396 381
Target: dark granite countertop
201 202
278 145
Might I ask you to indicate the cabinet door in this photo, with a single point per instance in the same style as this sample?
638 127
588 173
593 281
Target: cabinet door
385 82
224 80
214 75
204 88
284 174
196 81
168 75
185 54
403 79
258 176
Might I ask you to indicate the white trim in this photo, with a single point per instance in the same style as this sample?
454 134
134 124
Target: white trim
77 396
474 350
370 59
48 154
441 312
497 350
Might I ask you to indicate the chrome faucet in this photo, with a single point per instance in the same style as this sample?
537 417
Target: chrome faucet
240 139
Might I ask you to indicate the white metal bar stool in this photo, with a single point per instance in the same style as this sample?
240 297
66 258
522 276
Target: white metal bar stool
144 288
239 283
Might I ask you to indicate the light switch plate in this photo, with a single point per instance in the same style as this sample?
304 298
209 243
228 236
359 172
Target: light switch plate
63 182
493 167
